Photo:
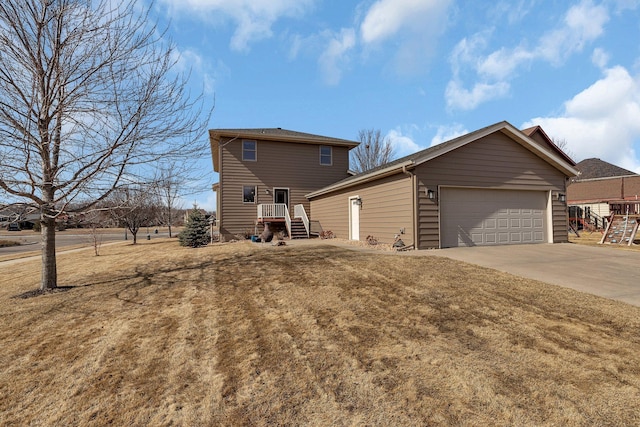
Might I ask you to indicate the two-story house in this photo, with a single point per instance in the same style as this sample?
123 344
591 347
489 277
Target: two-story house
494 186
264 175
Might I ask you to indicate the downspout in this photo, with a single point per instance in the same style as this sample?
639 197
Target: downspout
413 204
219 195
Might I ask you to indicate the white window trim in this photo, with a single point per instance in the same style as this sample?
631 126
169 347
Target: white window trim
255 194
330 155
255 144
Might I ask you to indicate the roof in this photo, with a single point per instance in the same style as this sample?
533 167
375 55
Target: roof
534 131
272 134
595 168
279 134
411 161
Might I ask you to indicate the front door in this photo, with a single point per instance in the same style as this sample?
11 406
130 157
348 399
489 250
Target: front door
281 195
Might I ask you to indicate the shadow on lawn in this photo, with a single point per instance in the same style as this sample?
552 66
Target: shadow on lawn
252 264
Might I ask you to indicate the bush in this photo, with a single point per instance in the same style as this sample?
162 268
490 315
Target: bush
196 230
8 243
328 234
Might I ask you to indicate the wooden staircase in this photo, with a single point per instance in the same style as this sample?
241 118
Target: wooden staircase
622 230
297 229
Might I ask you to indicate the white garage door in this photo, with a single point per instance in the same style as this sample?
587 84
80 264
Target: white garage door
479 217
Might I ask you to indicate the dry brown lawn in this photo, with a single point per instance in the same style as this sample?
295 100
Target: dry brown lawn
592 238
244 334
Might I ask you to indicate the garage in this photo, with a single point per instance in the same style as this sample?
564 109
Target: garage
482 217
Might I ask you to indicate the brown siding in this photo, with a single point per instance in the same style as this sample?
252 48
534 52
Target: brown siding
279 164
632 187
495 161
387 207
560 218
604 189
601 189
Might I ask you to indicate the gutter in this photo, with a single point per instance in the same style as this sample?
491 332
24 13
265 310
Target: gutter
363 178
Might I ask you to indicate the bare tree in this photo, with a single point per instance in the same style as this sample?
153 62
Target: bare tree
134 207
563 144
373 151
93 220
172 182
88 99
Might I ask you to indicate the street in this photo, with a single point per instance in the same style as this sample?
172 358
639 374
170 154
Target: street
30 241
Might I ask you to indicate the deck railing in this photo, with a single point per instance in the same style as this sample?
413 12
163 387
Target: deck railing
272 210
275 210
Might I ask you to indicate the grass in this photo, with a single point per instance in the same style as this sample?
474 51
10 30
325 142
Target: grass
592 238
242 334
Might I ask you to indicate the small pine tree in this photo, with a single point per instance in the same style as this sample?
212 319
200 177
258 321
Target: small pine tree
196 230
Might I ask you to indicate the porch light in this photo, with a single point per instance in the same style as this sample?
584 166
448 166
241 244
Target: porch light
359 201
562 197
431 194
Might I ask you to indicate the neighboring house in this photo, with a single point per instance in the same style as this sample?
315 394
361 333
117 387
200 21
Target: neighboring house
602 189
18 214
264 175
496 185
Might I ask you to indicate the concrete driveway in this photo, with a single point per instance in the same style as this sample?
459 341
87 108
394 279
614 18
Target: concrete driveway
605 271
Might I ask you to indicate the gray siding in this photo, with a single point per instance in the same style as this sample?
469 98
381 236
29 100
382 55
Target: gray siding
495 161
387 206
279 164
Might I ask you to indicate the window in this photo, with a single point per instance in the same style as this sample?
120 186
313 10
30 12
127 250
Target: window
325 155
249 150
249 193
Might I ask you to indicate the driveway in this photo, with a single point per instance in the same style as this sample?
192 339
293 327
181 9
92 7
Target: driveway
604 271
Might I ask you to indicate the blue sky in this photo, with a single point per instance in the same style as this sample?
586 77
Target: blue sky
421 71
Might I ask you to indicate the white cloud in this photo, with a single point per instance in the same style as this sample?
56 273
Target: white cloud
447 133
386 18
502 63
515 11
600 58
335 56
583 23
253 18
459 98
414 25
403 145
602 121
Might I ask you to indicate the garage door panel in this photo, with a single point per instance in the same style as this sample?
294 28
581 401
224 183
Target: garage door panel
471 217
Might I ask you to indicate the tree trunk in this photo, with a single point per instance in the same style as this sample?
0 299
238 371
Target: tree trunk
135 236
49 271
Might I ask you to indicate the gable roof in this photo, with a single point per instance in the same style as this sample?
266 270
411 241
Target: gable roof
595 168
271 134
537 133
279 134
553 157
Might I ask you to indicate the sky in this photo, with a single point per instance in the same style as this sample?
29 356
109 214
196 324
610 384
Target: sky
420 71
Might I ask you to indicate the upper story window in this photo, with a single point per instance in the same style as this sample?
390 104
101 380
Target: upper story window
326 158
249 150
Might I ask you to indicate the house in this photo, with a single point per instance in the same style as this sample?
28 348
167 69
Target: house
600 190
497 185
19 214
264 175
